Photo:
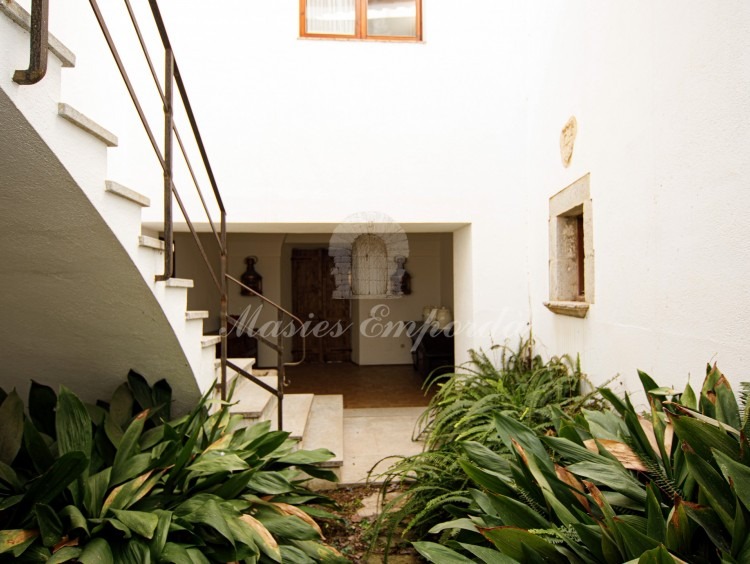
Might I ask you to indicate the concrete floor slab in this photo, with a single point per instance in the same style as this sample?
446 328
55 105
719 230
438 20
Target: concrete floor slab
371 435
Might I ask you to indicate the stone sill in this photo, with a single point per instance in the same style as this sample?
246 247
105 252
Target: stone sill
573 309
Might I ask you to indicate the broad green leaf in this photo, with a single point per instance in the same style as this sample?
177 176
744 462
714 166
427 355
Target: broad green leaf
702 437
727 409
211 514
113 431
440 554
738 475
65 554
175 554
124 495
487 555
75 522
269 483
464 524
96 551
647 382
42 404
95 491
656 527
688 398
618 479
73 424
713 487
658 555
141 390
294 555
15 540
511 430
8 475
487 480
516 542
289 527
36 447
215 461
162 396
516 514
49 485
139 522
709 521
11 423
679 530
252 533
161 534
634 541
121 406
485 458
612 398
126 450
50 527
307 457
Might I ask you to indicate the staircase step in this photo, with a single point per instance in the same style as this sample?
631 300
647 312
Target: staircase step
87 124
253 402
179 283
124 192
244 363
297 409
198 314
22 18
325 428
209 340
151 243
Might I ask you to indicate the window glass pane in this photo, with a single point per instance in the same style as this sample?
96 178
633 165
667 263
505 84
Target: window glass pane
334 17
392 18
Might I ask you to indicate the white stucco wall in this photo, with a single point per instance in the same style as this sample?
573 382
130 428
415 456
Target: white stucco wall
464 129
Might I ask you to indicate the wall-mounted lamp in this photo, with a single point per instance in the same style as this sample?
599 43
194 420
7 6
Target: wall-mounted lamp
251 278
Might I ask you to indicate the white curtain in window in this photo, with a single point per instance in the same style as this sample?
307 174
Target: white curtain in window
334 17
369 266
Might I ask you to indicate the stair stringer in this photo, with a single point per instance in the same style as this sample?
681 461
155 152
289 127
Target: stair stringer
84 156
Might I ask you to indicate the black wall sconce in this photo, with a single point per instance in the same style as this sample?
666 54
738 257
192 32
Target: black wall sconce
251 278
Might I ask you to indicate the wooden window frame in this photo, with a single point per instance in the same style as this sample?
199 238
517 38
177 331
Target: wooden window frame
360 26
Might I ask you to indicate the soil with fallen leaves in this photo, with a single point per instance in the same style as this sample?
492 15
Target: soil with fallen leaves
352 534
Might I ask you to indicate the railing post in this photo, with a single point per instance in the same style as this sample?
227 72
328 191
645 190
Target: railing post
224 305
281 370
168 136
37 46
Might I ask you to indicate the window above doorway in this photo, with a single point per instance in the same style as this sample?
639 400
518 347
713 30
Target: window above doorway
383 20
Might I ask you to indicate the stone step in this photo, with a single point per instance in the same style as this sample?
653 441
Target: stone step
151 243
325 428
179 283
297 409
117 189
86 124
209 340
253 402
197 314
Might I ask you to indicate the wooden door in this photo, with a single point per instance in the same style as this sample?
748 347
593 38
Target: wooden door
312 301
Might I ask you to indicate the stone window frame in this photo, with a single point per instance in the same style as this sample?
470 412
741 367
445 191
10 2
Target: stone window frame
564 209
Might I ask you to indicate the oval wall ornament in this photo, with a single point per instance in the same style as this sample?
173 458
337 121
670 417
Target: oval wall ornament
567 140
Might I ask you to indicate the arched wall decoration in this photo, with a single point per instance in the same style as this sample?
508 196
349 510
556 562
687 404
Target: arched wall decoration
341 246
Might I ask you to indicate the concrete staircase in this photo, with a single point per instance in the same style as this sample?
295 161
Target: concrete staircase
316 421
80 145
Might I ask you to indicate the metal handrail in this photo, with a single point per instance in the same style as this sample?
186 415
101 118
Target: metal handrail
281 366
173 78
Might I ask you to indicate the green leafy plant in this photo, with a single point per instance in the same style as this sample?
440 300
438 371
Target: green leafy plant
123 482
520 385
670 485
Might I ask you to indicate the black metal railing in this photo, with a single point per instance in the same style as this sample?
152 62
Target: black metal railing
172 79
